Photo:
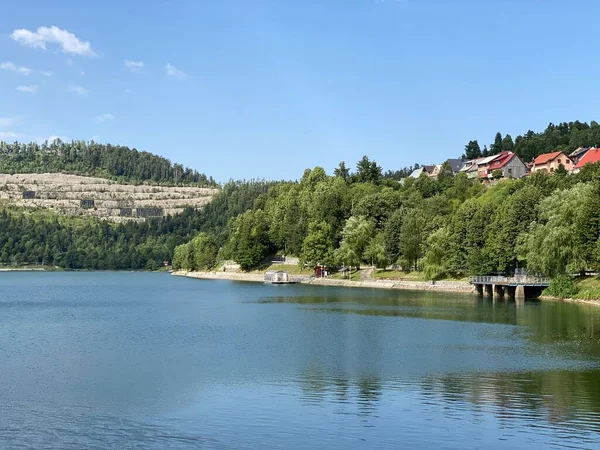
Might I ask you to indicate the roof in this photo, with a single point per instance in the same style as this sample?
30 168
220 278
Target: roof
502 159
546 157
423 169
416 173
470 165
579 152
486 160
592 156
455 164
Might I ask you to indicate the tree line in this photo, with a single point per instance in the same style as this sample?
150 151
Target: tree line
92 159
451 225
566 136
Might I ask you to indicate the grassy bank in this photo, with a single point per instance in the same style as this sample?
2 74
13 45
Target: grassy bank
588 288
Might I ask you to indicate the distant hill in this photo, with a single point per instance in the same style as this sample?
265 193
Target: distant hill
114 162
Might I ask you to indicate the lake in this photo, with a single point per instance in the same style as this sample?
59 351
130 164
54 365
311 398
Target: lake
151 361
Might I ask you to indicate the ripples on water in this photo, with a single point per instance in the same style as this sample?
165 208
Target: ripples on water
148 361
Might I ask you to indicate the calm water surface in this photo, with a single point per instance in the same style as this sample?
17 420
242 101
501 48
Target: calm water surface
150 361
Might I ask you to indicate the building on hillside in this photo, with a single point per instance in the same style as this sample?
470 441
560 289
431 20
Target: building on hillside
578 154
590 157
470 168
454 165
427 170
549 162
483 165
508 163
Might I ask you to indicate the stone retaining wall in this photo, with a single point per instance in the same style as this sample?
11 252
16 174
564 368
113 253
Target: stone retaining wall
440 286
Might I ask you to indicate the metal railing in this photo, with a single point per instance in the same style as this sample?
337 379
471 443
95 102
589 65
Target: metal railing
517 279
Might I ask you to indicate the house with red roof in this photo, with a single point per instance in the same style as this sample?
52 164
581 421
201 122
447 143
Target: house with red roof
508 163
549 162
591 156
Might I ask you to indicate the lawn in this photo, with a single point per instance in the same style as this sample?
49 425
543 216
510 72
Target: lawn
292 269
589 288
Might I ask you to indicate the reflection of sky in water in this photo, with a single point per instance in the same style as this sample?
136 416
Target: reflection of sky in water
164 362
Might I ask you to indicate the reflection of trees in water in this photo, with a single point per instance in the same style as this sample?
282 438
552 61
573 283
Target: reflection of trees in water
561 397
365 391
557 397
348 372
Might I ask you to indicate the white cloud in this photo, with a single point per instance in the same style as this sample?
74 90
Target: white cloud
7 121
52 138
134 66
104 117
32 89
174 71
4 135
79 90
53 35
46 73
7 65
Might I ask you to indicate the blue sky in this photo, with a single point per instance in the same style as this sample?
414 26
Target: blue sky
264 89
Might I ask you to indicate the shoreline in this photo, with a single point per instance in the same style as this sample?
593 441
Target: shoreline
435 286
451 287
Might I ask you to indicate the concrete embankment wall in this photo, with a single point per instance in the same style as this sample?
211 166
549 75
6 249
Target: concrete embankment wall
232 276
440 286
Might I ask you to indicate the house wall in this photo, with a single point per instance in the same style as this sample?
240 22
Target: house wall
551 166
514 169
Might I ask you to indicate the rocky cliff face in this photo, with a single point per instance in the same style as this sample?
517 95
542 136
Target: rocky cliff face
72 194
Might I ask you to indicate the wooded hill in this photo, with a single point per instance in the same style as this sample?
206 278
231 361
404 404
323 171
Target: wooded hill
102 160
38 236
452 225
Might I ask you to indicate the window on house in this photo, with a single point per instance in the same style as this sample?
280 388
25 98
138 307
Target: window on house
509 172
559 161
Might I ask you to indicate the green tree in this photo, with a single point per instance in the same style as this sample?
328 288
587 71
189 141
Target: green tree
391 236
205 250
342 171
356 235
553 245
507 143
472 150
318 245
368 171
412 237
375 252
496 147
249 239
435 261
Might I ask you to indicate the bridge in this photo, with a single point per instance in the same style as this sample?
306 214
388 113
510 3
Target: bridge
519 287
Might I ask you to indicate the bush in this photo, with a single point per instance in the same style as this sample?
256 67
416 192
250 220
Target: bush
562 286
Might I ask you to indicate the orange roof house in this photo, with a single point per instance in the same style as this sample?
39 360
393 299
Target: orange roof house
549 162
591 156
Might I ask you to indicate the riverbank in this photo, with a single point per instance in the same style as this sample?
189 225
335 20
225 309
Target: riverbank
570 300
440 286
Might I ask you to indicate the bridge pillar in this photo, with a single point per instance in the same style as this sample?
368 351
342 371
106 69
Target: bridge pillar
520 293
488 290
498 291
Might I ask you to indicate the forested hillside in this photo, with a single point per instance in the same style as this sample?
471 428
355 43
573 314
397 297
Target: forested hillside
41 237
566 136
103 160
445 226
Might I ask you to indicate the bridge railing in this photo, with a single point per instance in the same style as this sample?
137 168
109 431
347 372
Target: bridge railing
517 279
